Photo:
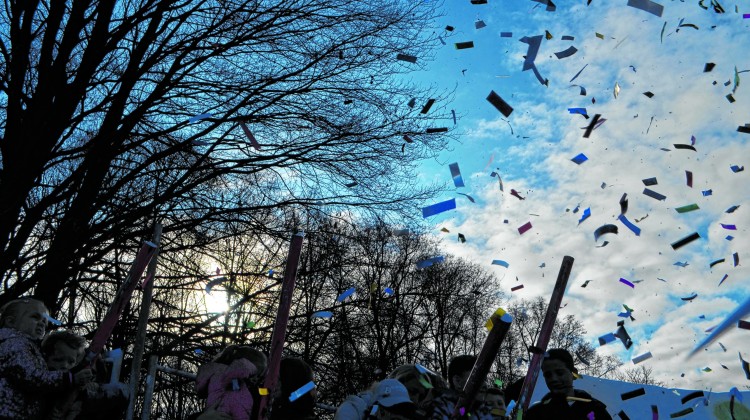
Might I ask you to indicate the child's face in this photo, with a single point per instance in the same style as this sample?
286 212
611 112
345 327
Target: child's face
63 357
558 377
31 319
495 402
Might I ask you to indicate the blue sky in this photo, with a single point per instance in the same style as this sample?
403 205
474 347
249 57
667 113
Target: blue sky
536 161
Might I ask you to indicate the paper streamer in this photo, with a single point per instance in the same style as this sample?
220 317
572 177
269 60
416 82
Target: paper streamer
739 313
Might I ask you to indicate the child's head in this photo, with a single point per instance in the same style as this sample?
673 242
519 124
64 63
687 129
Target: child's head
459 370
28 316
421 386
559 371
494 399
63 349
235 352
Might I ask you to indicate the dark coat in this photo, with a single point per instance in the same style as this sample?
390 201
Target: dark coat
555 407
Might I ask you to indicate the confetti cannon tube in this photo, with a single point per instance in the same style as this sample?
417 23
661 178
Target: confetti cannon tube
107 326
544 335
282 318
498 324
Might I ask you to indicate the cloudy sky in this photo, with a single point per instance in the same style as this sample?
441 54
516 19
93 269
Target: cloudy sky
532 149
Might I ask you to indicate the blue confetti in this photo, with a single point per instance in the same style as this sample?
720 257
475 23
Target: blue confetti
438 208
585 215
630 225
322 314
304 389
500 262
430 261
348 292
706 193
580 158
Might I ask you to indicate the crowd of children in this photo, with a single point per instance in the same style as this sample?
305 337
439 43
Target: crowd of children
39 380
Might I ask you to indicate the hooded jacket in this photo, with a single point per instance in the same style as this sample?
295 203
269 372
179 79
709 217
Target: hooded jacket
25 382
226 386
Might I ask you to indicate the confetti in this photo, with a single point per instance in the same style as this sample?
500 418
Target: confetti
653 194
706 193
430 261
629 225
591 125
649 181
626 282
51 320
250 136
586 283
470 198
639 359
687 208
632 394
427 106
523 229
578 74
684 147
513 289
200 117
580 158
736 168
684 412
499 104
456 175
686 240
348 292
732 209
479 24
438 208
722 279
406 57
506 34
681 264
464 45
604 229
566 53
690 298
304 389
728 227
736 257
322 314
689 178
585 215
500 262
745 366
716 262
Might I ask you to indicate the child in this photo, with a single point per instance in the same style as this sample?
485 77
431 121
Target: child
225 380
64 350
563 401
25 381
294 373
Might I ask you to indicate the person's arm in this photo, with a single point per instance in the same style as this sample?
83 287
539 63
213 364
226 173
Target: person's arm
20 364
354 407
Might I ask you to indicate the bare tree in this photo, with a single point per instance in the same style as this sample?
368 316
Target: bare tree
197 113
